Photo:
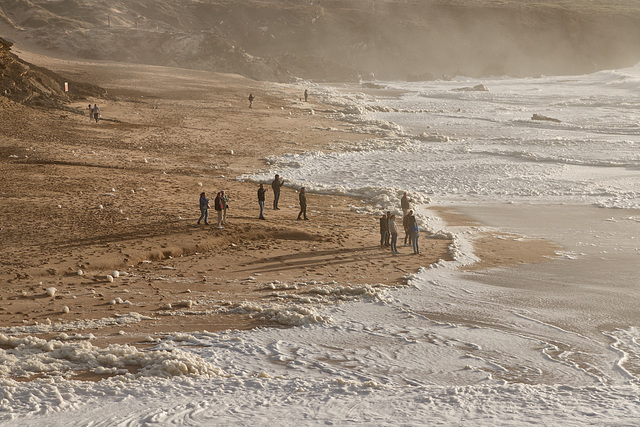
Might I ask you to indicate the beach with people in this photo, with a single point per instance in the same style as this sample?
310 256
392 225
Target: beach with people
142 283
80 202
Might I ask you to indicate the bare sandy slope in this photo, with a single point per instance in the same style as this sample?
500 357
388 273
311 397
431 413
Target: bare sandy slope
122 195
278 40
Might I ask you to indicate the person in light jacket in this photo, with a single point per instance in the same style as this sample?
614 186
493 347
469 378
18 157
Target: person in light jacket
393 230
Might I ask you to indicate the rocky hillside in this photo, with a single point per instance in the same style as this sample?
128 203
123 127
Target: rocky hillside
28 84
337 39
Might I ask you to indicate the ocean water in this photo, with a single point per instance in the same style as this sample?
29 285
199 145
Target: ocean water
550 343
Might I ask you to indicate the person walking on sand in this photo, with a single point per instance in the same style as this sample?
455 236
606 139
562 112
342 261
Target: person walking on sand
393 230
276 184
225 206
96 112
306 95
303 204
384 229
90 108
204 208
415 232
404 203
251 98
217 204
407 230
261 199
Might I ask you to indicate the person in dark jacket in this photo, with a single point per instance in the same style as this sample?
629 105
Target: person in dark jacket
384 229
225 206
388 235
404 203
415 232
219 207
276 184
303 204
407 230
261 199
204 208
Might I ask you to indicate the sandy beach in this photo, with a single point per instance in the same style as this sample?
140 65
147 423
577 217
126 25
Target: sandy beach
122 194
512 126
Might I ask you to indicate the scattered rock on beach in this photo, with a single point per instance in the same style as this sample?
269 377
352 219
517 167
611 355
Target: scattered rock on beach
476 88
541 117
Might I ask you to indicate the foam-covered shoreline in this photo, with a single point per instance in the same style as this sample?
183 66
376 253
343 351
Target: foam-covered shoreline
384 135
448 348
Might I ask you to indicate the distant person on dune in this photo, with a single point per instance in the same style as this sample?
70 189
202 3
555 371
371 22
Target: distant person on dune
90 108
306 95
261 199
204 208
276 184
251 98
96 112
303 204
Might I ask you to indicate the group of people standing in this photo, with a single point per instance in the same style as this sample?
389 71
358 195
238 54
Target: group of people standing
276 185
220 204
389 229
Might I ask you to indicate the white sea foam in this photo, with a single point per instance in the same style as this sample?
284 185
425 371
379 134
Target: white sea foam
552 344
30 356
77 325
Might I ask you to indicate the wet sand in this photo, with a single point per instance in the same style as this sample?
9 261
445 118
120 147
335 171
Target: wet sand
122 194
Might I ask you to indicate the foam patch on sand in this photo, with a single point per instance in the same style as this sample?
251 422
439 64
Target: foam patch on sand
48 326
30 356
289 315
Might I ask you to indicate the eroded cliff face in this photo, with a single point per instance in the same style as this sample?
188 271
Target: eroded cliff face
338 39
32 85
